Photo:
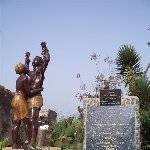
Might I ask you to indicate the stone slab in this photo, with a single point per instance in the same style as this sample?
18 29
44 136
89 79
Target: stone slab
44 148
110 127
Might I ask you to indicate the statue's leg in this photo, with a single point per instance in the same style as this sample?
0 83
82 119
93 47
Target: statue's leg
15 129
34 114
28 129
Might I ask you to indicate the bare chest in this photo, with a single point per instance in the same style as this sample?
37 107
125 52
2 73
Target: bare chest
35 77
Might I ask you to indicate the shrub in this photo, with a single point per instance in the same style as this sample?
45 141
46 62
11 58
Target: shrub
67 133
145 129
4 143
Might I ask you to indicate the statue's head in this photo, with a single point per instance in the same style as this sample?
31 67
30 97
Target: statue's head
37 61
21 68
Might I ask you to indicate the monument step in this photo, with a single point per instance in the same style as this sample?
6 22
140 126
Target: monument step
43 148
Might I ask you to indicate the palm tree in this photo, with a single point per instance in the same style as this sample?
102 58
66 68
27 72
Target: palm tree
127 57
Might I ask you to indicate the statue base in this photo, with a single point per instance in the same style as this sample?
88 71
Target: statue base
43 148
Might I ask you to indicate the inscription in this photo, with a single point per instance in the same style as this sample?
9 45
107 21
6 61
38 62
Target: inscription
110 127
110 97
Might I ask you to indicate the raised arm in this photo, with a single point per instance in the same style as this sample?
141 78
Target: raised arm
46 55
27 59
27 88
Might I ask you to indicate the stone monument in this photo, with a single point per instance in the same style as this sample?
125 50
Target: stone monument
112 127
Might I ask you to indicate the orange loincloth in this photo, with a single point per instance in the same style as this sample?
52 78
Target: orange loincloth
19 107
35 101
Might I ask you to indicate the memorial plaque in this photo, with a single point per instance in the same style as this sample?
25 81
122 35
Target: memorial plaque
110 97
110 128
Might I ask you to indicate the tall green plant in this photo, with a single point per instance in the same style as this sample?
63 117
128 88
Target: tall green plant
140 87
127 57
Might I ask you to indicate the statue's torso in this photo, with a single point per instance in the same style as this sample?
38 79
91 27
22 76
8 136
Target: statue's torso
36 79
20 84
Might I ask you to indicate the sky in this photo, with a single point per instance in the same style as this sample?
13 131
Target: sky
73 30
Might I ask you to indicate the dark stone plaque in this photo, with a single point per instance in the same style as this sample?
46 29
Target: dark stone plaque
110 97
110 128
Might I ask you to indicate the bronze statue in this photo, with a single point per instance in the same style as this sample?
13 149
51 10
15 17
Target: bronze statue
19 103
36 78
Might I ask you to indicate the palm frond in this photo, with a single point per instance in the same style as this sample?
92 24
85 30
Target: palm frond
128 57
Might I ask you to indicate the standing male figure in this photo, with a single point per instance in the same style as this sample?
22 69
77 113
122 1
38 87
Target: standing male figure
36 78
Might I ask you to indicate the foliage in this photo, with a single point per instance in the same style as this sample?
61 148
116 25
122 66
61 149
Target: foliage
128 73
4 143
107 79
140 87
138 84
127 64
145 129
67 133
128 57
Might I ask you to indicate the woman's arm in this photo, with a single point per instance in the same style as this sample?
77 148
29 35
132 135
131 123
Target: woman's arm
27 88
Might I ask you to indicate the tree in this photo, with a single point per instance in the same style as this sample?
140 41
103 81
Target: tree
128 65
127 57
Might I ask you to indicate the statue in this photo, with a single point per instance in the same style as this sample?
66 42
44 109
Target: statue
19 103
36 78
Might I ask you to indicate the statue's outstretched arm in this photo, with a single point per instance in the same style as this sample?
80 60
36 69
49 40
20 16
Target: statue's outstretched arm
27 59
46 55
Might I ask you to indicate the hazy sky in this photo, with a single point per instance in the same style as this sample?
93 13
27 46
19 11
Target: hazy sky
73 30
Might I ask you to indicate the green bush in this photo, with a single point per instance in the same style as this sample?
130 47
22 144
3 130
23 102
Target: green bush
4 143
145 129
67 133
140 87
